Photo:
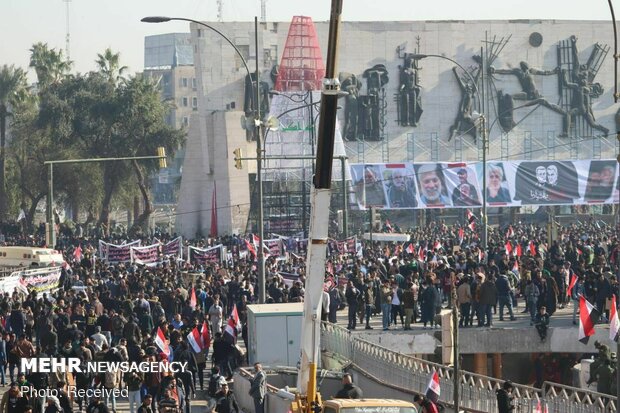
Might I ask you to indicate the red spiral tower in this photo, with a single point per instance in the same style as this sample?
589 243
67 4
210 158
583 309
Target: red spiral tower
301 67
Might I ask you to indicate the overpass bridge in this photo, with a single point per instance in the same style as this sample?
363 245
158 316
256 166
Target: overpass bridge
384 371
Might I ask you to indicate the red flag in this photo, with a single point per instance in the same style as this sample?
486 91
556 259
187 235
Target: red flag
532 248
192 298
519 251
213 231
433 390
508 247
579 252
77 253
250 248
206 339
437 245
410 249
235 316
480 255
255 240
515 267
588 316
461 234
614 322
573 281
510 233
388 226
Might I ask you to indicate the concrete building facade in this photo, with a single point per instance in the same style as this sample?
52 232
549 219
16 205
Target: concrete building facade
541 96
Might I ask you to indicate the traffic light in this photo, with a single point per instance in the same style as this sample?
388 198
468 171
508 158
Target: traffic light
375 218
161 153
238 156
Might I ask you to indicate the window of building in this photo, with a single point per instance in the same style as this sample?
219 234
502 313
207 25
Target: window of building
194 83
185 121
199 32
184 82
184 101
195 102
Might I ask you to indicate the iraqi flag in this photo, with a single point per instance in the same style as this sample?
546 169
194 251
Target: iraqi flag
461 235
614 322
532 248
206 338
437 246
161 342
421 253
508 248
233 326
515 267
195 340
471 220
480 255
192 298
588 317
510 233
433 390
410 249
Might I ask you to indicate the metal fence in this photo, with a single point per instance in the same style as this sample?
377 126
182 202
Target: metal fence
477 392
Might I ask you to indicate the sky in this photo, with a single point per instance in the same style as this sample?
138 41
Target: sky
98 24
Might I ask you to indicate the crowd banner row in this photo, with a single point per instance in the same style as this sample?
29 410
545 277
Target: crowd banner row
508 183
204 256
135 253
40 280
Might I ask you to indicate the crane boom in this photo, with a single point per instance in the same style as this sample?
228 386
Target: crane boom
319 217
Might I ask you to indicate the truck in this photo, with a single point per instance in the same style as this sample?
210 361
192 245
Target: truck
29 257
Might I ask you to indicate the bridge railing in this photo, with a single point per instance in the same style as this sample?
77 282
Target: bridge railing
477 392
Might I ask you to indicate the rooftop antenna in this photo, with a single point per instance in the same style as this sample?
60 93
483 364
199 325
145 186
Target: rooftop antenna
68 35
220 6
263 11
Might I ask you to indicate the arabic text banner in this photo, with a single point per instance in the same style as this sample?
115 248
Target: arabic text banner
508 183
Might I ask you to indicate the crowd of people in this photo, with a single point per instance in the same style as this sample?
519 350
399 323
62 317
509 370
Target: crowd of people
113 312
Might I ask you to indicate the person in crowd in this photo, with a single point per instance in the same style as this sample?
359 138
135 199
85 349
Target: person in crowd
542 323
226 402
258 388
349 389
505 399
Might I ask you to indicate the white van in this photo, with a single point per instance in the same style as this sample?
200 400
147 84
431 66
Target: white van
29 257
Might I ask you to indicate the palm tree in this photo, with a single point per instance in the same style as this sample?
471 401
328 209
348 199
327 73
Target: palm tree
49 64
13 89
109 66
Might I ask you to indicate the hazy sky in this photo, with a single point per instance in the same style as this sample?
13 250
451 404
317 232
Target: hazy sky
97 24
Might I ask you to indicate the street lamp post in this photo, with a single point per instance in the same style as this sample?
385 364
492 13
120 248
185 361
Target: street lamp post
257 136
455 335
484 144
51 234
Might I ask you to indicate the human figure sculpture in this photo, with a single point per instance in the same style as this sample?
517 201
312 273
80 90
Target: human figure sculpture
351 84
530 94
464 123
410 100
581 104
376 78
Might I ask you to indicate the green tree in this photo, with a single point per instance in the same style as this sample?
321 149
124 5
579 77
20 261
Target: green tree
143 129
108 65
13 91
49 65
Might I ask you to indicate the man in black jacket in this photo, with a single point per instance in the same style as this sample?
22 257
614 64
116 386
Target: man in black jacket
226 402
349 390
504 398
